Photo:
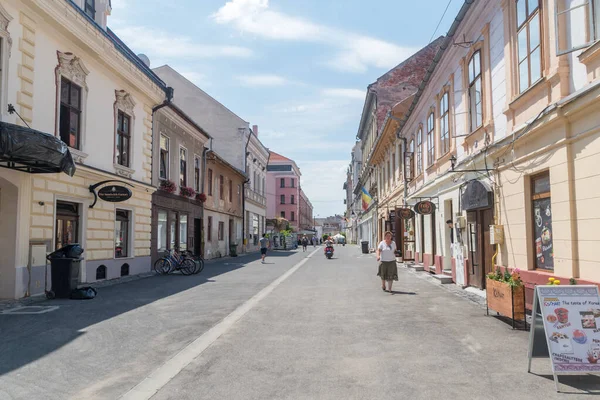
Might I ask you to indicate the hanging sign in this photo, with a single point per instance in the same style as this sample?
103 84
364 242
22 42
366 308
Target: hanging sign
425 207
114 194
406 213
570 317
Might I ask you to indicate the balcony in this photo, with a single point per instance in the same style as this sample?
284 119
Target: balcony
255 197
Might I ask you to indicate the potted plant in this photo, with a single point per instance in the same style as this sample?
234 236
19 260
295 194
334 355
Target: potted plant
398 255
186 191
168 186
505 293
201 197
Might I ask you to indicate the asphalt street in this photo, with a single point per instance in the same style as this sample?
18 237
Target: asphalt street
298 327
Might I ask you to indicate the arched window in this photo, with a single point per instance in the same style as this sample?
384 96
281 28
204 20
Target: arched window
419 151
430 139
475 92
125 269
444 124
101 272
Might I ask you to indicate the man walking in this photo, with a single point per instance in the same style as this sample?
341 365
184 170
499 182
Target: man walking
264 245
304 243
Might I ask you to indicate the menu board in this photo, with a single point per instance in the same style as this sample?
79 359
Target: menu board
544 252
571 318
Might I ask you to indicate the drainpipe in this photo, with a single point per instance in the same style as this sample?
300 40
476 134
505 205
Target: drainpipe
244 193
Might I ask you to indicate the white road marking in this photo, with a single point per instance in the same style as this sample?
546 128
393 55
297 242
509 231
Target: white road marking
169 370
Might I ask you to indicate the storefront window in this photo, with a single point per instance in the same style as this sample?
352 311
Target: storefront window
183 227
122 233
67 223
542 221
172 230
161 243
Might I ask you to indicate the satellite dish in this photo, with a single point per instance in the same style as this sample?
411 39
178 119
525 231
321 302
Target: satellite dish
144 59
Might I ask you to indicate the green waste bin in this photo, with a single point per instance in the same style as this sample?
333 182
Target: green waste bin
233 249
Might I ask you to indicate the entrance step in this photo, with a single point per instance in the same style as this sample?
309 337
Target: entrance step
447 272
417 267
444 279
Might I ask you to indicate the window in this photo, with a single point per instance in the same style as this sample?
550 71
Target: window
542 221
419 151
282 199
122 233
197 174
529 49
210 182
255 181
410 161
221 230
282 182
293 217
292 182
182 167
475 92
292 200
221 187
183 229
263 186
67 224
230 191
164 157
209 229
444 125
394 167
578 24
430 139
123 138
161 234
70 113
283 214
90 8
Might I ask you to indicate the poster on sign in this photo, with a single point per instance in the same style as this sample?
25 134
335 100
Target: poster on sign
570 316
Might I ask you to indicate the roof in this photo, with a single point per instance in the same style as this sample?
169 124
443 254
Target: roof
278 157
224 162
122 48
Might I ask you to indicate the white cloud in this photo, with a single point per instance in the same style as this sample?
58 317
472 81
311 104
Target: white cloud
262 80
341 92
156 43
119 4
322 182
356 53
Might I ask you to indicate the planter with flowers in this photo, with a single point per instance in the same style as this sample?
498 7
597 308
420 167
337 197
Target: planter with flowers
187 191
168 186
201 197
505 294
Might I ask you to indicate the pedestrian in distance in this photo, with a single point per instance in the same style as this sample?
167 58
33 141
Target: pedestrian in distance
314 241
304 243
388 272
264 245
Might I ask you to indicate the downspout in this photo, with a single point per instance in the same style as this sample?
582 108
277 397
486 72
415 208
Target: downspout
244 192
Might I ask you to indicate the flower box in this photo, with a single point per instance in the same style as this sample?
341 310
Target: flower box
505 299
187 191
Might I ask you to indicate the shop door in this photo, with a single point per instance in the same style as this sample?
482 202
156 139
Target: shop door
480 249
231 232
198 236
407 238
67 224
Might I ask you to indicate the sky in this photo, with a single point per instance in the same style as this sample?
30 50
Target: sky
298 69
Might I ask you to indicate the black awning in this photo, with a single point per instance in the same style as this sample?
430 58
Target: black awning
32 151
476 195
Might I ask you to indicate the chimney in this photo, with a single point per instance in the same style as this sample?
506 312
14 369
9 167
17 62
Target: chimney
255 129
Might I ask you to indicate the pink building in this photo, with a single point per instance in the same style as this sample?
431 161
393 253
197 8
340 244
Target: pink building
283 189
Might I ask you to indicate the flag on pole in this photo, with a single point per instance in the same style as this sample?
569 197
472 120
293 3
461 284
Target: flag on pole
366 198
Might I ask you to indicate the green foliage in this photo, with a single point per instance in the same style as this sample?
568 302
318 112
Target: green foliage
572 281
325 237
512 279
286 233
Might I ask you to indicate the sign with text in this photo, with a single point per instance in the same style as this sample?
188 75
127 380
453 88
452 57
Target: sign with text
425 207
570 315
406 213
114 194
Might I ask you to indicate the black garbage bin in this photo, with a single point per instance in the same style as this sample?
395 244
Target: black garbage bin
365 246
64 267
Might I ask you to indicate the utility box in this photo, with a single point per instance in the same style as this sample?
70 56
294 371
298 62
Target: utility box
461 222
496 234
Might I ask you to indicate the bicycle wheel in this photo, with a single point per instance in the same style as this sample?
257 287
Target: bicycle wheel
187 266
199 265
162 266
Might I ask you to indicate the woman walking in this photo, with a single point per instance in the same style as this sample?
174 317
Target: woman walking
387 262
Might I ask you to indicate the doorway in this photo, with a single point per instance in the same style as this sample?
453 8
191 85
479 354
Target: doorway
67 224
407 238
198 239
231 232
480 249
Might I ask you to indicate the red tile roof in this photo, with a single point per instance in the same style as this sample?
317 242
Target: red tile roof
278 157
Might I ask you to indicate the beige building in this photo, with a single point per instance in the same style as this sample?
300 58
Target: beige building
69 76
501 140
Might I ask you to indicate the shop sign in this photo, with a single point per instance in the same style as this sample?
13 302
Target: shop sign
425 207
406 213
476 196
566 328
114 194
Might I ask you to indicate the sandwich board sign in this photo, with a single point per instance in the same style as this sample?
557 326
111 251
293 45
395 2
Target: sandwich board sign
566 328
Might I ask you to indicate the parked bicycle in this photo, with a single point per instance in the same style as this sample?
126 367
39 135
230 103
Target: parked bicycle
198 260
175 261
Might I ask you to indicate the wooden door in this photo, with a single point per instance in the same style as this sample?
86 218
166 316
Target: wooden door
487 217
480 249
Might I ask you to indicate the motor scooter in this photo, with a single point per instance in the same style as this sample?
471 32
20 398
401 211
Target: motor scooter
329 251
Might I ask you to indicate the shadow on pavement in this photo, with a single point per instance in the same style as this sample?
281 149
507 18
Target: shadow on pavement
400 292
26 338
588 383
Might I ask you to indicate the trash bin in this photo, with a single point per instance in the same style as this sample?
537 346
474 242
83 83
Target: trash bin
64 267
233 249
365 246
